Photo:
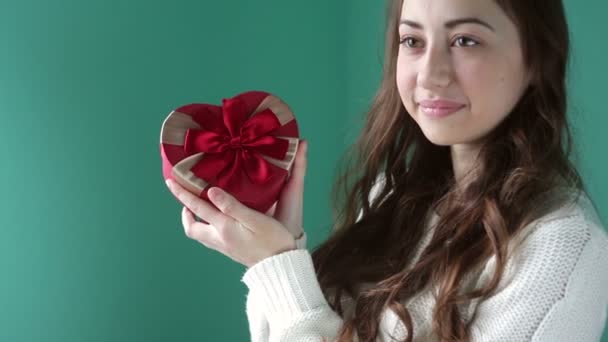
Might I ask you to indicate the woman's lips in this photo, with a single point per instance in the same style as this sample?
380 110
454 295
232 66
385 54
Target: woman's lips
439 108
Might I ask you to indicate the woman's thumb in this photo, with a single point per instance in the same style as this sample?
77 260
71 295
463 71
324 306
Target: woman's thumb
299 167
290 205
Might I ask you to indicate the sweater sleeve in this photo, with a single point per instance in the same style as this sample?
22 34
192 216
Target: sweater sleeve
259 329
285 290
557 291
260 292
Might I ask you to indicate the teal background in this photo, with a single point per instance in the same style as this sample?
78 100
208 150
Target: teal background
91 243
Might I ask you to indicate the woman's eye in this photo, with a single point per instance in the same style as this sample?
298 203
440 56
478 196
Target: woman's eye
462 41
465 41
409 42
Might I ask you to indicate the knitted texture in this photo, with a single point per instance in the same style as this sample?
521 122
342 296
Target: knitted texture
553 289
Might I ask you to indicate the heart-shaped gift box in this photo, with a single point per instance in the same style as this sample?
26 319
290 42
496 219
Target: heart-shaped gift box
246 146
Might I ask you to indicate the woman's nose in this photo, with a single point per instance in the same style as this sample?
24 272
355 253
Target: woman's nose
435 69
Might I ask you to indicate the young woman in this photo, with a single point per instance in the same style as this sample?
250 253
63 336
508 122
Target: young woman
465 220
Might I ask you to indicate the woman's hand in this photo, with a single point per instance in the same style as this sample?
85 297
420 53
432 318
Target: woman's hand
239 232
288 209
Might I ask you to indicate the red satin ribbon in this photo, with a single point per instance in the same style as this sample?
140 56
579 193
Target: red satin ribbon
236 143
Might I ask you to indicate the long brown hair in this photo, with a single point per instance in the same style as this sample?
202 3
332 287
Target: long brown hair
522 162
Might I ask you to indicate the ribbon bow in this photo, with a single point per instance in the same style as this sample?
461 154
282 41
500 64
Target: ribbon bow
235 143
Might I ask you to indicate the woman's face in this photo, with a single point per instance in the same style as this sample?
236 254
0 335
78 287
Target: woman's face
458 56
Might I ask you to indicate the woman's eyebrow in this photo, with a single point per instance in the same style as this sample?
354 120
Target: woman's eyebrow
450 23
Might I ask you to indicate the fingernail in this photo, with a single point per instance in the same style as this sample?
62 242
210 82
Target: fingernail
218 194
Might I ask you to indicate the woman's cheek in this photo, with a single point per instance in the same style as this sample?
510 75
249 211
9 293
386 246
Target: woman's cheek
406 84
475 78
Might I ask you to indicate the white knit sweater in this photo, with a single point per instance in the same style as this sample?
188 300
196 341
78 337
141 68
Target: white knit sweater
554 288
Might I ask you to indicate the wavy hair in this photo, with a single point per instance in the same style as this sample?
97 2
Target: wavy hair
523 160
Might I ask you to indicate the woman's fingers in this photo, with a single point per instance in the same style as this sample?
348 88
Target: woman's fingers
197 206
290 205
299 168
270 212
203 233
231 207
235 230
